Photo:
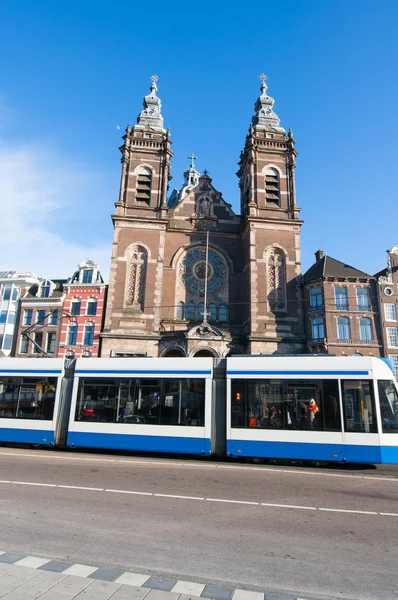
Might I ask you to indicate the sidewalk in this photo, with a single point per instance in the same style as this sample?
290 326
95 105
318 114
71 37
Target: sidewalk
30 578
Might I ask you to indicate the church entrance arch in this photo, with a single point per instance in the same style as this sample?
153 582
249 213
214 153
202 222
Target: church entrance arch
201 352
173 353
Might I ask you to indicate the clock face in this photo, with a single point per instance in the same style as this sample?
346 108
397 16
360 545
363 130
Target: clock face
193 271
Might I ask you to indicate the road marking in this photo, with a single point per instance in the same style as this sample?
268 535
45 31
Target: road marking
160 463
182 497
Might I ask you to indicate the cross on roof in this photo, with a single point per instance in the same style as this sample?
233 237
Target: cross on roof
263 77
154 78
192 158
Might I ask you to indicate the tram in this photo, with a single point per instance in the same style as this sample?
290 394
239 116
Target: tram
304 407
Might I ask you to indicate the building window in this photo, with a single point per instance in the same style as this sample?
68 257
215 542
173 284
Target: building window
54 318
89 334
316 300
72 335
7 292
136 276
87 276
12 317
190 312
7 342
3 316
222 313
75 307
41 315
272 187
39 342
180 310
28 317
363 299
45 289
92 307
276 279
51 342
15 293
366 329
343 328
212 312
341 298
392 337
318 328
390 312
201 310
359 406
394 360
24 345
144 185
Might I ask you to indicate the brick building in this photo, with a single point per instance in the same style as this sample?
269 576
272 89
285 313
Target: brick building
84 301
156 304
387 280
342 314
41 307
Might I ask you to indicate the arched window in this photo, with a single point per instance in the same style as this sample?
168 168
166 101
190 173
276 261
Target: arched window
276 279
318 328
272 187
75 306
343 328
136 275
144 185
89 334
212 312
366 329
190 311
180 310
223 313
92 306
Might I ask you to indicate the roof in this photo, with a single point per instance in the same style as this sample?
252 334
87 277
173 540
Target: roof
330 267
57 291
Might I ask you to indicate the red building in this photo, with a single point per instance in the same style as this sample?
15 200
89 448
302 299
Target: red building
84 303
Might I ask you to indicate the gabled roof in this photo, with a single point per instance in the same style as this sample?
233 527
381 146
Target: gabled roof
330 267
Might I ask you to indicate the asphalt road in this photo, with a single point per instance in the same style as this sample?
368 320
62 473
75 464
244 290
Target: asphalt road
316 533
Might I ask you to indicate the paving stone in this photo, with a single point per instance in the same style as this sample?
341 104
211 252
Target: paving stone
127 592
67 589
189 597
106 574
18 576
6 568
80 570
246 595
32 561
97 590
134 579
162 595
156 583
188 587
276 597
56 566
41 583
7 557
217 593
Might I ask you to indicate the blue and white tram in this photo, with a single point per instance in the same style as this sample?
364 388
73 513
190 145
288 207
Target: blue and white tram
312 408
29 399
142 404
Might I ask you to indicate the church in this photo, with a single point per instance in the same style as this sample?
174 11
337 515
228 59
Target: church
189 276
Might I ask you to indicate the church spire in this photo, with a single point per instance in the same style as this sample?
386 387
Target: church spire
150 117
265 118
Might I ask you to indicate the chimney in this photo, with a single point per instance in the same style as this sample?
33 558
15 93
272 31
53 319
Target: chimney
319 254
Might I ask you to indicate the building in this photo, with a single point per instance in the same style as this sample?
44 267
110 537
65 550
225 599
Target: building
156 303
13 285
84 301
40 316
342 314
387 280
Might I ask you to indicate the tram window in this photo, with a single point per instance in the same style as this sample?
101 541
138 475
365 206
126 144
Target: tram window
359 406
388 406
27 398
142 401
286 404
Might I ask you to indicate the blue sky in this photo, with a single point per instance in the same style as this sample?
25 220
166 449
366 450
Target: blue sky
74 71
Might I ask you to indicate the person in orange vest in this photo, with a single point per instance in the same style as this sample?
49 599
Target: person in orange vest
313 408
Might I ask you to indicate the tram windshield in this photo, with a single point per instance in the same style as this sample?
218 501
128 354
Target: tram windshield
388 406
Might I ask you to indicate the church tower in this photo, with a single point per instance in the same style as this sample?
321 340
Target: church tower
134 297
271 233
